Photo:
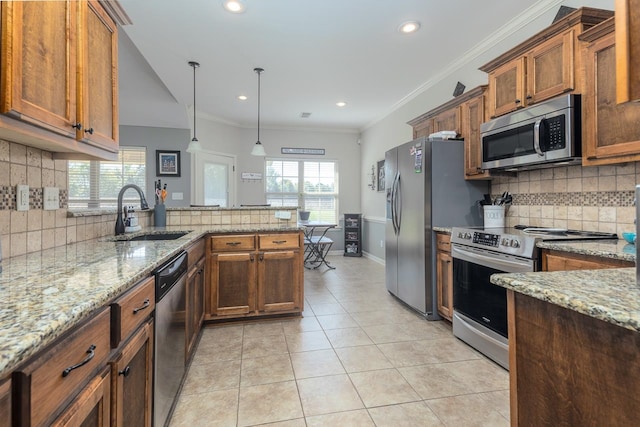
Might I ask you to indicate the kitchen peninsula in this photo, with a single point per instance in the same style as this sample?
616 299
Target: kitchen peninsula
573 347
54 296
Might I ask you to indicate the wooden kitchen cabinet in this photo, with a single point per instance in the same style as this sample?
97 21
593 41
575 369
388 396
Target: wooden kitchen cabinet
92 407
564 261
262 276
423 128
447 120
5 402
444 275
58 88
473 114
569 369
47 384
195 295
627 50
611 133
132 380
543 66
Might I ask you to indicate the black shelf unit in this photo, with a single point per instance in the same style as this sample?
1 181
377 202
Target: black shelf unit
352 234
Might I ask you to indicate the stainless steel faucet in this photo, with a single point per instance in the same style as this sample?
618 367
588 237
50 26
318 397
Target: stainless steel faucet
119 213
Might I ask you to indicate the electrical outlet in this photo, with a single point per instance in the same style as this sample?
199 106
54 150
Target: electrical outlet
22 197
51 197
283 214
177 196
382 243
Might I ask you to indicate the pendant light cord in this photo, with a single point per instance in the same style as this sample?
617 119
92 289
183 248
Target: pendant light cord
259 71
194 65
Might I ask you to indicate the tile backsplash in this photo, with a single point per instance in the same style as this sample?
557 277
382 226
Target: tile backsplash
597 198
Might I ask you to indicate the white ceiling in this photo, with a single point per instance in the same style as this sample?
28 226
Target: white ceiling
314 53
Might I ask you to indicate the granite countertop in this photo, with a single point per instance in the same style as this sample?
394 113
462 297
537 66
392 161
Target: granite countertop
446 230
611 295
48 292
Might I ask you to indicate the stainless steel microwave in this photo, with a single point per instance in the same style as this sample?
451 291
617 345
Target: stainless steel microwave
542 135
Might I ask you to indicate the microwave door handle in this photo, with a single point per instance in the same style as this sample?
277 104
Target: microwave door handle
536 137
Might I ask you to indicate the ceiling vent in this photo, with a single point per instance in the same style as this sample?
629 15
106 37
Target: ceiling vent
305 115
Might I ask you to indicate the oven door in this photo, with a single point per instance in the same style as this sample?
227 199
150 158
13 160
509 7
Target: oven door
473 293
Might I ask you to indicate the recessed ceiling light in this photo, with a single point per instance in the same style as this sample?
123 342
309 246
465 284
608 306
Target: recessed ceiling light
341 104
234 6
242 97
409 27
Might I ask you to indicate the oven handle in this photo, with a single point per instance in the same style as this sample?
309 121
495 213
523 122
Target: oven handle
494 262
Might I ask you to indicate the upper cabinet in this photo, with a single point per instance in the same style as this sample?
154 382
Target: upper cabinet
628 50
610 133
542 67
58 88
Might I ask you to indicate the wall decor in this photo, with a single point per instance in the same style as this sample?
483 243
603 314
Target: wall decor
314 151
167 163
381 175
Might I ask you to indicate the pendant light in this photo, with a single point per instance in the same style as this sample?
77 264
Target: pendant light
258 148
194 145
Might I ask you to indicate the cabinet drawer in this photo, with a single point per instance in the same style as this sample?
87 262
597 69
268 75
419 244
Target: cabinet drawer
131 310
58 374
195 252
443 242
278 241
233 243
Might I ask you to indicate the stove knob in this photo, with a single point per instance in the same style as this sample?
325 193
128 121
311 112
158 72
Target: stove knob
505 241
467 235
460 235
515 243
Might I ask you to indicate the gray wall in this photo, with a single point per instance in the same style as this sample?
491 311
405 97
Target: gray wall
162 139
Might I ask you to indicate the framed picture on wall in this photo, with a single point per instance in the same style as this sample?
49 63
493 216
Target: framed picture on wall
381 175
167 163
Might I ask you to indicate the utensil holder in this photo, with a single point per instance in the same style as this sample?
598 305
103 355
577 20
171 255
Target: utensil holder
160 215
494 216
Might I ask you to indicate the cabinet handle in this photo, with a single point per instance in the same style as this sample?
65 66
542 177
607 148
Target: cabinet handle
146 304
529 97
89 131
518 101
77 126
278 242
251 258
233 243
91 353
125 372
479 170
261 257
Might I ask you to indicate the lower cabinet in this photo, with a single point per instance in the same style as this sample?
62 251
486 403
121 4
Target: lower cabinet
252 277
195 304
91 408
562 261
5 403
132 380
444 275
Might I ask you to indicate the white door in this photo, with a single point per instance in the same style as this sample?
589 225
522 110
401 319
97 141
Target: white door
213 177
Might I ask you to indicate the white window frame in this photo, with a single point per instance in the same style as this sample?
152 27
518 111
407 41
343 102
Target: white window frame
94 201
301 194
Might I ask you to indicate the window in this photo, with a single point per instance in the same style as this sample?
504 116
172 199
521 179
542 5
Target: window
95 183
312 185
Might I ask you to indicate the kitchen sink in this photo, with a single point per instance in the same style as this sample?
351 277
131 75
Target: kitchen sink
170 235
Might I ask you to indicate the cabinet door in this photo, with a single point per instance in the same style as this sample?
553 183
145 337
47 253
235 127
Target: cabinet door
610 132
39 63
550 68
132 374
5 403
98 78
444 275
507 87
447 120
91 408
628 55
472 118
233 283
423 129
195 304
279 281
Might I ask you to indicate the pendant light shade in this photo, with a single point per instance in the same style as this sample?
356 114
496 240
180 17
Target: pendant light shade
258 148
194 145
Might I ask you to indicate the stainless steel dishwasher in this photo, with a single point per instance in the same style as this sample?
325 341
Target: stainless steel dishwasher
170 336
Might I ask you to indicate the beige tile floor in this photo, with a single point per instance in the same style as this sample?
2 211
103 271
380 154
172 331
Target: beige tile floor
357 357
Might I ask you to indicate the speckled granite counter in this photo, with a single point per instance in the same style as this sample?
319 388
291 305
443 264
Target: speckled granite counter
611 295
46 293
446 230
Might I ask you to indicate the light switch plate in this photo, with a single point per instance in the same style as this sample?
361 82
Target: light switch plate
22 197
177 196
283 214
51 197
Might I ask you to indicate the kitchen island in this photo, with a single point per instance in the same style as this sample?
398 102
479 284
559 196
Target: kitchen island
573 346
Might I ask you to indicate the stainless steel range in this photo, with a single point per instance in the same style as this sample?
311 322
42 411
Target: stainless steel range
480 307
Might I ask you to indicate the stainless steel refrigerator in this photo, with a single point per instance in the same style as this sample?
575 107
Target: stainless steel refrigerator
425 188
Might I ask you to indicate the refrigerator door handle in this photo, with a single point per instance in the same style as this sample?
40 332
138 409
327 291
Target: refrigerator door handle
398 200
393 205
